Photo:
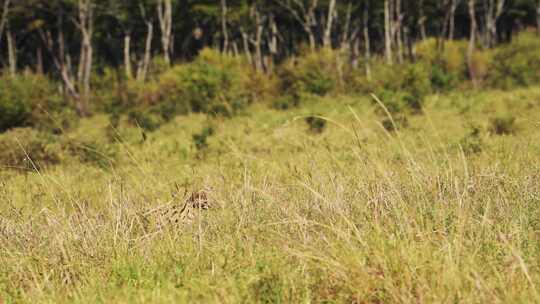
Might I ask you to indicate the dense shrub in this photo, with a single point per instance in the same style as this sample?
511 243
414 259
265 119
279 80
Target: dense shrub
92 152
402 87
317 73
262 86
200 140
450 56
32 100
142 104
438 67
145 119
517 63
28 149
448 62
286 102
157 67
441 80
482 63
472 142
502 125
213 83
415 82
397 122
316 124
109 87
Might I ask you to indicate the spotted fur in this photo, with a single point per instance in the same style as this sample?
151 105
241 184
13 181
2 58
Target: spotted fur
177 214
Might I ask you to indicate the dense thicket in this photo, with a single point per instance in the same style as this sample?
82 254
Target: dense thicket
116 55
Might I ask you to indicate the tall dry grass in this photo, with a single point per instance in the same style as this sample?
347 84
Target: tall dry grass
356 214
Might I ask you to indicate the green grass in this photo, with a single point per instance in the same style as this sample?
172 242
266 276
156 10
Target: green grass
435 212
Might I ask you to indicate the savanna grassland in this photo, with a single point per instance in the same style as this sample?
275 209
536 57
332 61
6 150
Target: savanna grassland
276 151
349 206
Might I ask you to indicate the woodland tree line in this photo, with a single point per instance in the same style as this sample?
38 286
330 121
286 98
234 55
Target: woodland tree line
59 35
72 40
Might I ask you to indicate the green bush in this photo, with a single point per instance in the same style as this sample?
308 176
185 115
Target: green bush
517 63
31 100
317 73
262 86
502 125
316 124
111 90
286 102
143 105
402 87
28 149
157 67
449 61
472 142
214 83
415 82
441 80
145 119
392 100
397 122
92 152
200 139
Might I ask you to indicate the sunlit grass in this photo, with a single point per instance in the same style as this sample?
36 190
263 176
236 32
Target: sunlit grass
356 214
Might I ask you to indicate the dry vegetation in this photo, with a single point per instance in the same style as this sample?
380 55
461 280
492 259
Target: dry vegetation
444 209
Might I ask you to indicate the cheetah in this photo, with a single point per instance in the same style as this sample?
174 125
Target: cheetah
176 214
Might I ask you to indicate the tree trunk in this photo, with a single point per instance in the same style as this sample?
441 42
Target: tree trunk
538 18
422 20
367 41
408 43
4 18
306 18
59 61
493 13
127 55
235 48
443 33
452 26
346 37
327 41
247 51
488 26
39 61
88 68
85 23
387 33
259 66
472 43
311 21
165 24
12 52
273 41
446 5
312 41
224 30
145 63
354 45
398 29
273 44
